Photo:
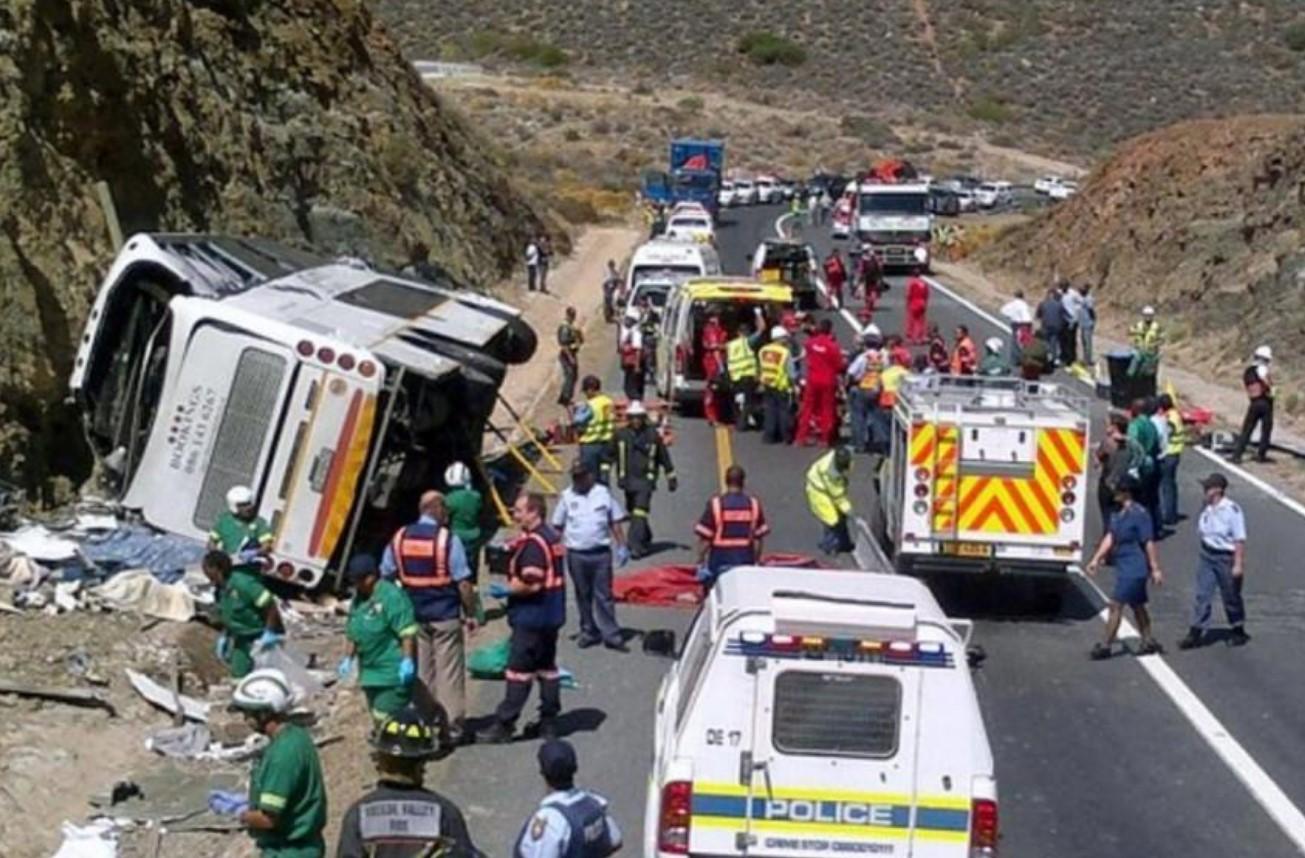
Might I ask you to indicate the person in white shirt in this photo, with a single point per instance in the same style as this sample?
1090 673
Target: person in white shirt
1072 300
1087 322
532 265
1020 315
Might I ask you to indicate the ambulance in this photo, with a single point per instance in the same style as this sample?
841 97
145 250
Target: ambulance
984 474
821 713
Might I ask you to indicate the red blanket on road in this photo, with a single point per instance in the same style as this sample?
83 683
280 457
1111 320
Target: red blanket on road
676 586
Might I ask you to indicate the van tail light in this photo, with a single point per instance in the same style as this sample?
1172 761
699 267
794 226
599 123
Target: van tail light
983 828
673 824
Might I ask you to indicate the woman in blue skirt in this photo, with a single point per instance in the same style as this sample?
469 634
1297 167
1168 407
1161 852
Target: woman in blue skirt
1129 542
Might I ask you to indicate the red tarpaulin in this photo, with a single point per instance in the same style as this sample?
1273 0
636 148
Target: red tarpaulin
676 586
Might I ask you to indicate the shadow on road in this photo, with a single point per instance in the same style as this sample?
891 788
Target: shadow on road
1007 598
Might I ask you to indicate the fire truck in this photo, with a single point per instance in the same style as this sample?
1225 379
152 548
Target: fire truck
984 474
888 209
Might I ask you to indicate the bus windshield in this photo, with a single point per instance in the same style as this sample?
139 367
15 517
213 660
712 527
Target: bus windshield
904 202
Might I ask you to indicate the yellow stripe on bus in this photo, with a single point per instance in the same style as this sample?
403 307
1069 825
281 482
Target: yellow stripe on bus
355 458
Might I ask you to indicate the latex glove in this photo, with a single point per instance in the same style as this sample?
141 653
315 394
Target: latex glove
248 556
269 639
227 802
222 647
622 555
703 573
345 667
499 590
407 670
672 484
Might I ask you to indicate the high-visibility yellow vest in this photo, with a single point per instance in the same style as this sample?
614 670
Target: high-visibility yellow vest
739 358
874 370
1177 433
826 490
774 367
892 379
602 425
1147 336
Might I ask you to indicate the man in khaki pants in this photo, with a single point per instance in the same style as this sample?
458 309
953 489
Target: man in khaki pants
430 562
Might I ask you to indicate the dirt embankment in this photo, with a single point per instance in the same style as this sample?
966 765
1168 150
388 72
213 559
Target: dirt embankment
297 120
1204 220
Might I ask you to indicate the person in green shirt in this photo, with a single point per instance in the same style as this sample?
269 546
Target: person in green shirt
382 633
993 364
240 532
464 505
285 809
247 611
1147 436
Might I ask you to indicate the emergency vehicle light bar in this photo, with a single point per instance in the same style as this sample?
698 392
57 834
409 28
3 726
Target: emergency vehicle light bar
821 647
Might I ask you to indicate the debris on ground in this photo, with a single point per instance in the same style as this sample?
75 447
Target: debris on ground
73 696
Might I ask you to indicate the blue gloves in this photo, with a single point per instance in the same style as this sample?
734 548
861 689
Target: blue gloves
499 590
345 667
622 555
269 639
248 556
222 647
704 574
227 802
407 670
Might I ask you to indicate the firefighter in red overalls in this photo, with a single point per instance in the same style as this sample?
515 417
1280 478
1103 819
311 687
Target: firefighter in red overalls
713 365
823 362
872 282
835 277
917 307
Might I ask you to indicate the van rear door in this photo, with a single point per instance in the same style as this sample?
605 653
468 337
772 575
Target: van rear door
836 764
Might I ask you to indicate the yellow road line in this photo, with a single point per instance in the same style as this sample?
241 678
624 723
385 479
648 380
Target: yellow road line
724 453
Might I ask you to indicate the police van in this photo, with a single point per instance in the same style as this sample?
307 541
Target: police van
821 712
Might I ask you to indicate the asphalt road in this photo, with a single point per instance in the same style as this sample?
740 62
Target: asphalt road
1092 758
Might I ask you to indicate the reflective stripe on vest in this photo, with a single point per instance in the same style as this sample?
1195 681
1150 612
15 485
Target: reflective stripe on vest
554 551
422 561
727 517
892 382
602 424
740 359
774 367
873 376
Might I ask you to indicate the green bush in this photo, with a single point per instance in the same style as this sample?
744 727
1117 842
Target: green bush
516 46
1294 36
690 104
871 131
767 49
989 109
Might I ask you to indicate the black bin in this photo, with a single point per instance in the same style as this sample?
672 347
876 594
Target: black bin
1123 387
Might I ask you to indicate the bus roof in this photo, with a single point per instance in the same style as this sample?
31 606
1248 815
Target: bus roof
736 289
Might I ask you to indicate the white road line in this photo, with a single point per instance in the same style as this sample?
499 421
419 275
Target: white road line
1262 788
1273 492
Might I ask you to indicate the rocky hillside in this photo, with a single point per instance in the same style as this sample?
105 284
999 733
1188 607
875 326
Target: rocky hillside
1067 75
1205 220
293 119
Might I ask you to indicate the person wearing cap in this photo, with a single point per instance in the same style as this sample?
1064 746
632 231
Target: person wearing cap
826 490
591 521
382 639
1258 381
993 364
569 822
285 808
246 609
570 338
865 377
595 420
400 818
641 455
1129 542
777 376
1147 337
465 504
430 562
1221 564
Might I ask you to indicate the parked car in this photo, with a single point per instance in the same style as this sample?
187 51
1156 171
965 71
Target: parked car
944 202
725 196
1045 183
1063 190
992 194
766 190
745 192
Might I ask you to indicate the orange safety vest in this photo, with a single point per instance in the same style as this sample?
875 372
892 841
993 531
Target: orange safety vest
892 381
874 370
554 551
735 528
964 359
422 561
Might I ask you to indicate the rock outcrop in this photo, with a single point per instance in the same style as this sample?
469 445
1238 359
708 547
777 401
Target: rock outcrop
292 119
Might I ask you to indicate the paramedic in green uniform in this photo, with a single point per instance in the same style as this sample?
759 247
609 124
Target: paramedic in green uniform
247 611
240 532
464 504
382 632
285 810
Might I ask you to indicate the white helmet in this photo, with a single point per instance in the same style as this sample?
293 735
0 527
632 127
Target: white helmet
994 344
238 496
264 690
921 255
872 330
457 476
779 332
1148 311
635 409
632 315
1264 353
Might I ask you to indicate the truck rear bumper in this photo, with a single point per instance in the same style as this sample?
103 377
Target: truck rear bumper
913 563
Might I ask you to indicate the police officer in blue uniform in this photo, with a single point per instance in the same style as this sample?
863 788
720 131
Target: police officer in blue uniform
569 822
536 607
1221 564
731 530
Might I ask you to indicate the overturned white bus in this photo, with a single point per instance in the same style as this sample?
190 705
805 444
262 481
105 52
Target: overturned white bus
338 393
